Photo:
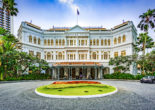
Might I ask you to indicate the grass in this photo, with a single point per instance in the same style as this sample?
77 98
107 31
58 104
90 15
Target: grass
76 89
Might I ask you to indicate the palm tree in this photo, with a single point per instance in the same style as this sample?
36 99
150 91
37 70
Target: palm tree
10 6
144 41
7 43
147 20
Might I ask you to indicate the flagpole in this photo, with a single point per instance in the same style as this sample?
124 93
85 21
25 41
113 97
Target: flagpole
77 15
77 19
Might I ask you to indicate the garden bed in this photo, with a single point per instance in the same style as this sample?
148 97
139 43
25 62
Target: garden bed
76 88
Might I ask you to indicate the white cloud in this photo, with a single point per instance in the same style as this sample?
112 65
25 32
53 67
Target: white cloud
71 4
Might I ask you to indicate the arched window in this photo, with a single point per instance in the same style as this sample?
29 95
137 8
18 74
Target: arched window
86 42
60 56
115 41
105 42
48 42
31 53
91 42
105 55
71 42
30 39
51 55
39 55
109 42
63 42
45 42
35 40
119 39
94 42
48 56
123 53
102 42
39 41
115 54
97 42
124 38
52 42
82 42
57 42
94 55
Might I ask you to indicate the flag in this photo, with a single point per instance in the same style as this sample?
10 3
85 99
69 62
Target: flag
78 13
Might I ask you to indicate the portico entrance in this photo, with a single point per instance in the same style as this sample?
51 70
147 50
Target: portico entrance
73 71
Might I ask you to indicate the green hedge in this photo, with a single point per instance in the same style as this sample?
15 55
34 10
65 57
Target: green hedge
29 77
125 76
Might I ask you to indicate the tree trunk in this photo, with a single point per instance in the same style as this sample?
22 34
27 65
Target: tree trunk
143 72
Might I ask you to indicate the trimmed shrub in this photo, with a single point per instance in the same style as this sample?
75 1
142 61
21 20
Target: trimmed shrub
123 76
28 77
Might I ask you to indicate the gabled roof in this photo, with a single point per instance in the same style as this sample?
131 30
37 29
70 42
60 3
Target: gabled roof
77 28
120 25
32 25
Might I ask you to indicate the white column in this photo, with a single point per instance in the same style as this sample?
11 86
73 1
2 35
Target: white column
66 72
65 41
54 55
42 54
88 55
54 73
99 73
77 56
88 72
77 71
100 55
66 55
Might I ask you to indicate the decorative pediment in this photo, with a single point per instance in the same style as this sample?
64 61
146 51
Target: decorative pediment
77 28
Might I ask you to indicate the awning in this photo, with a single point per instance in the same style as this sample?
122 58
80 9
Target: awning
77 64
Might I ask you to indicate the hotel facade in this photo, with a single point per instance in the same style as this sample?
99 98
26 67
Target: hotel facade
79 52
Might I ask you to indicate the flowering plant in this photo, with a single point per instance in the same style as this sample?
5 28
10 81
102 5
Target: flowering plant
76 82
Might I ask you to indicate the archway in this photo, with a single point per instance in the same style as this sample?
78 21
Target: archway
62 75
73 73
93 73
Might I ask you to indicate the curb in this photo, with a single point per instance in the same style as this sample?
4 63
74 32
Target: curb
75 97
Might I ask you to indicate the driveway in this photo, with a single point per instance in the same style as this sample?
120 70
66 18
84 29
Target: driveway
131 95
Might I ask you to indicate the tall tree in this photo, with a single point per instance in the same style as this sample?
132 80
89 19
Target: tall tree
122 63
147 20
7 43
143 41
10 6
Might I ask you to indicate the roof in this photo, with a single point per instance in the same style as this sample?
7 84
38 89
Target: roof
77 64
32 25
68 28
120 25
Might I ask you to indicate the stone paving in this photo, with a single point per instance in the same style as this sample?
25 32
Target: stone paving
130 96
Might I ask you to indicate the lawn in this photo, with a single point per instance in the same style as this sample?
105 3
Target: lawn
75 89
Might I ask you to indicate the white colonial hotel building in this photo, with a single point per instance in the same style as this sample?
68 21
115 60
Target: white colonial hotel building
79 52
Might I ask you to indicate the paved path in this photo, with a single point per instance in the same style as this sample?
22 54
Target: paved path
131 96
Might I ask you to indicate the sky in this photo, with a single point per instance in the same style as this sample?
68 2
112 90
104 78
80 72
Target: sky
63 13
